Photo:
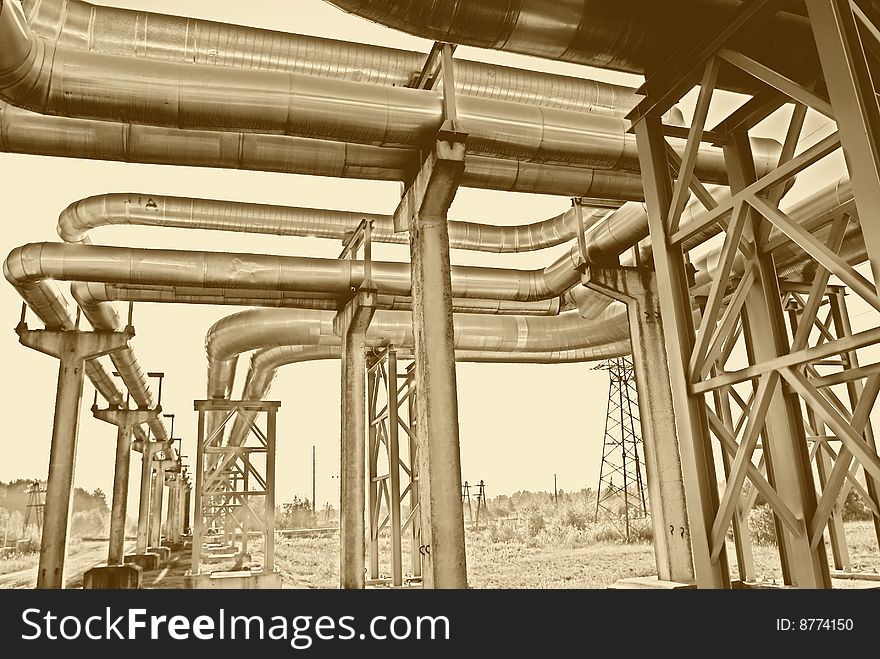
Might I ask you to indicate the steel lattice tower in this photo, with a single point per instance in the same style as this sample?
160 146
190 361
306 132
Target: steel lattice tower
621 496
36 501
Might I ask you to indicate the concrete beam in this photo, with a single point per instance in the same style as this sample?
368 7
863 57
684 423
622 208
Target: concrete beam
72 348
423 209
125 421
636 287
351 324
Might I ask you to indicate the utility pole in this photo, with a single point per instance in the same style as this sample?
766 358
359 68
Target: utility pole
555 491
314 509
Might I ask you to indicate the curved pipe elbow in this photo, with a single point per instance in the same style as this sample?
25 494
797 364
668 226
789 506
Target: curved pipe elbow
25 61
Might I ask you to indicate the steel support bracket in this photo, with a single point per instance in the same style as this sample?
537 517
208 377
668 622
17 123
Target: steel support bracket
73 343
126 418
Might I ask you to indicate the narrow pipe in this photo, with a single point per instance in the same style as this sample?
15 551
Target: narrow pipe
142 209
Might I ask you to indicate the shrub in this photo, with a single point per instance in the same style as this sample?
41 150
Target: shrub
575 518
641 530
502 532
534 520
855 509
89 524
762 526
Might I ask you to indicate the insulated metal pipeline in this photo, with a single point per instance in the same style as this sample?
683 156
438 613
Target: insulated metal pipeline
142 209
264 328
91 294
636 36
40 76
27 132
816 214
51 307
32 269
265 363
126 32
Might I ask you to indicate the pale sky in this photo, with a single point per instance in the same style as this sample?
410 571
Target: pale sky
520 424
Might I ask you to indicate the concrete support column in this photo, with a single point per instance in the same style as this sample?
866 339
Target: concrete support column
636 287
125 421
143 531
423 209
351 324
116 549
698 465
72 348
156 504
187 503
171 515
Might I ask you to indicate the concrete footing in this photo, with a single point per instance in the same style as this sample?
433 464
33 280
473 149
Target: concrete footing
848 574
113 577
164 553
651 583
244 579
148 561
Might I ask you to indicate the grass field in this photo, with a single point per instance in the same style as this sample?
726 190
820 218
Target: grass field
579 562
499 558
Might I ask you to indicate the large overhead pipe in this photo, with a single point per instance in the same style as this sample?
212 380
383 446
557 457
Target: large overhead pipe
143 209
270 328
32 268
119 31
92 294
264 364
22 131
637 36
262 328
43 77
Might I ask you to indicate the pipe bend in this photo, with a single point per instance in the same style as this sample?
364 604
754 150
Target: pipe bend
25 61
24 264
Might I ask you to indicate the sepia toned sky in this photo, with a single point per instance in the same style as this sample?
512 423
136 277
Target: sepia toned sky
520 424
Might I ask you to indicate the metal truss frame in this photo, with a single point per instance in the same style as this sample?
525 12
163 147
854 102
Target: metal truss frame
393 472
781 392
232 492
620 450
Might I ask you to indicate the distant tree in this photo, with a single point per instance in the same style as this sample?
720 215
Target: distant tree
296 514
855 508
